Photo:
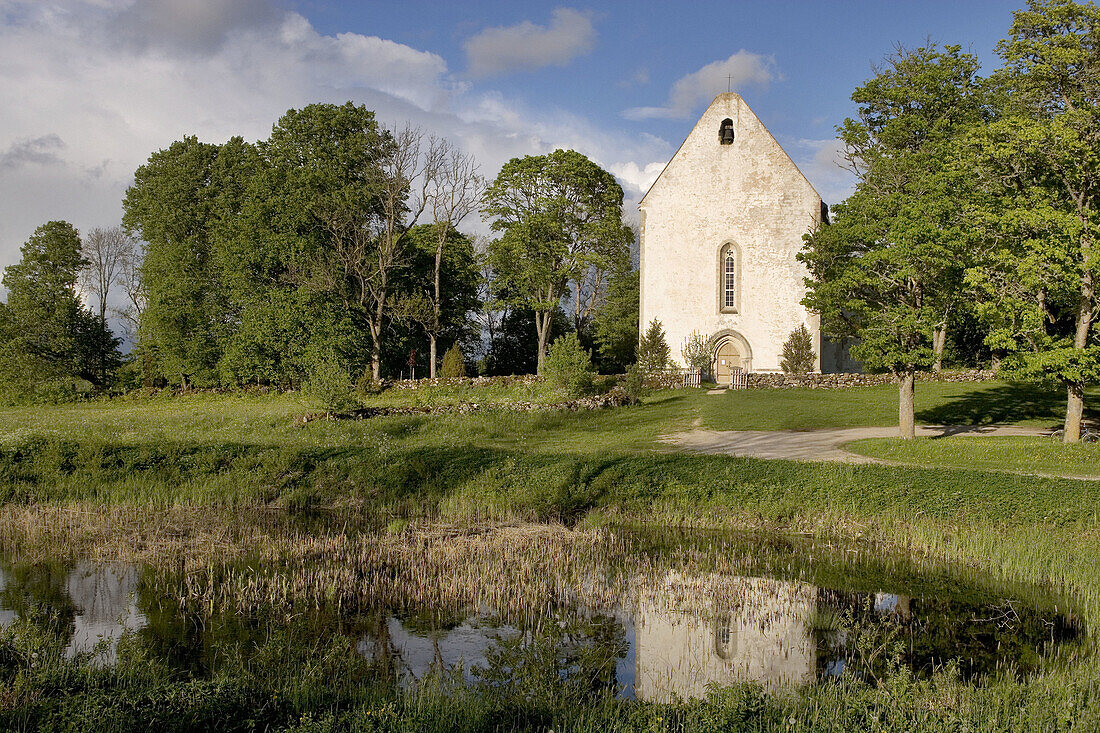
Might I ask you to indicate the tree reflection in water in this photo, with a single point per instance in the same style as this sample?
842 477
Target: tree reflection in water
668 634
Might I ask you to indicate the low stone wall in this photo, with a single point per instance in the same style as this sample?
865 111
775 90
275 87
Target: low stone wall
756 380
616 397
771 380
407 384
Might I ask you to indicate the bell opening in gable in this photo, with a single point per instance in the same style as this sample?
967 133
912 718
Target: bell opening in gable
725 132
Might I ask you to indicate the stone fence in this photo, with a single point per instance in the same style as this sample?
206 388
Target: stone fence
674 379
774 380
464 381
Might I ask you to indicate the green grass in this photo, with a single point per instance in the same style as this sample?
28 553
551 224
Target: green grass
592 467
936 403
1026 455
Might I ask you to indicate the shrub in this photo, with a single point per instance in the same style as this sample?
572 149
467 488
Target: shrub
634 384
329 386
568 367
696 352
653 353
798 352
454 364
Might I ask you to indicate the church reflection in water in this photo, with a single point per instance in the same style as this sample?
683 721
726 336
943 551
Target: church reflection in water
691 632
670 634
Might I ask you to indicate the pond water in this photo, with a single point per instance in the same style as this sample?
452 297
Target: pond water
797 614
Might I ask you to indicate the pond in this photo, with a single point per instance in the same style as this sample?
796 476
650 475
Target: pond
688 610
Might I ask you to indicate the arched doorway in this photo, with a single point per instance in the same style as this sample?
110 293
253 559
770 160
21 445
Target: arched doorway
731 353
726 359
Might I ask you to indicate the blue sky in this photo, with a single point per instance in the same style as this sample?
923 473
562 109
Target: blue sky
91 87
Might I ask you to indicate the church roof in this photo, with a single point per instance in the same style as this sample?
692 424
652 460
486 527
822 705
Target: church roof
722 98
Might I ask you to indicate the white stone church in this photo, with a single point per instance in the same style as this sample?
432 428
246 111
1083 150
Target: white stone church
721 227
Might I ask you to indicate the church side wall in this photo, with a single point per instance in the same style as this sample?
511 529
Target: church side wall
750 194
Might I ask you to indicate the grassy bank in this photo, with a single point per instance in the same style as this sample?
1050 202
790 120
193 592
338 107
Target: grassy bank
239 453
1027 455
936 403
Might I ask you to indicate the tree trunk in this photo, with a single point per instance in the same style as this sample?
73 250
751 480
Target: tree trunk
376 350
906 426
1075 391
542 326
1075 409
939 339
437 310
431 356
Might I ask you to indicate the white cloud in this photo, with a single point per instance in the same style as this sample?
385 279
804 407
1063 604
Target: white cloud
192 26
739 70
638 79
85 105
527 46
823 162
32 151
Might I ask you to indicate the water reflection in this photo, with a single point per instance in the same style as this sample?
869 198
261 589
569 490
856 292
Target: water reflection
667 634
91 605
692 631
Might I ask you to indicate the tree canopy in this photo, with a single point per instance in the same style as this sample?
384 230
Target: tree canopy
561 232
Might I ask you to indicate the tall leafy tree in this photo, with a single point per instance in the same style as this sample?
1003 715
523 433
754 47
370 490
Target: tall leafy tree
561 231
171 206
888 270
454 193
616 322
275 207
1039 166
437 292
47 332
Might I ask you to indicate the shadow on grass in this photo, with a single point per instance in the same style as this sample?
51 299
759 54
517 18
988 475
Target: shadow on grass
1003 403
456 481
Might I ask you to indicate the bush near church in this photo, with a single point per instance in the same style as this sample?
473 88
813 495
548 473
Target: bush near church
798 352
568 367
454 364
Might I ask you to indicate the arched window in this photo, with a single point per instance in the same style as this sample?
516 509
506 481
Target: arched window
725 132
729 279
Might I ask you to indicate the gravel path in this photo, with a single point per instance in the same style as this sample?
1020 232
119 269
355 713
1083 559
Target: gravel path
816 445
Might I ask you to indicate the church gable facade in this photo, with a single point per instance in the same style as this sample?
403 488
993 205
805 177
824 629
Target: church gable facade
721 227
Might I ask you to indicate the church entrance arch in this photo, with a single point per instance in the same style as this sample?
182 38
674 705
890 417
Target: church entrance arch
731 354
726 359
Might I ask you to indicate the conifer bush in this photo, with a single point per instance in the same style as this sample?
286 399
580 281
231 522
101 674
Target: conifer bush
568 367
798 352
328 385
654 356
634 384
454 363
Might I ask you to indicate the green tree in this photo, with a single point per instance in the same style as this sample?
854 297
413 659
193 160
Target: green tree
454 363
888 269
1039 219
451 270
560 220
696 352
170 205
297 257
568 367
47 333
798 352
654 355
616 321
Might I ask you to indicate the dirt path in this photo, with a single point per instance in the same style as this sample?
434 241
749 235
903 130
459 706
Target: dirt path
816 445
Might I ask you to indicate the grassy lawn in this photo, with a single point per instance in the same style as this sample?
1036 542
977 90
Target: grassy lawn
589 468
1029 455
937 403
